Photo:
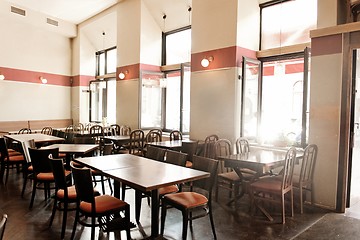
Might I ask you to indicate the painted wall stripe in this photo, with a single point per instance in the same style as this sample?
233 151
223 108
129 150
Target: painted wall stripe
326 45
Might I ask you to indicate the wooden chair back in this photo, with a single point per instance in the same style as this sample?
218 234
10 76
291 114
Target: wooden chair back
47 130
242 145
58 169
207 165
125 130
40 159
209 149
155 153
136 144
308 163
24 131
175 135
189 148
177 158
115 129
83 184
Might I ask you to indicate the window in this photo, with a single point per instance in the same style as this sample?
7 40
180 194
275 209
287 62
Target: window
283 22
103 90
165 96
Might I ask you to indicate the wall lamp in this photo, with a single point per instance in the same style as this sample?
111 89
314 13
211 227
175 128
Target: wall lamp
122 75
205 62
43 80
2 77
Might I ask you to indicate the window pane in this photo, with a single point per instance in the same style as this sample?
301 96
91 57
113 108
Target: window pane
178 47
101 64
282 97
186 101
111 101
285 24
97 91
111 61
250 91
151 99
173 101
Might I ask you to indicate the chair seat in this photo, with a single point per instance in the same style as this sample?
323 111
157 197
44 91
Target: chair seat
15 158
62 155
49 176
71 193
267 184
30 168
168 189
13 152
187 199
103 204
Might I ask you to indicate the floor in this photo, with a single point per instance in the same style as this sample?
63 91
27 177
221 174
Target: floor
231 223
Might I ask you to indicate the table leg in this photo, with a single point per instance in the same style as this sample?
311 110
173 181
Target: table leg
116 189
155 213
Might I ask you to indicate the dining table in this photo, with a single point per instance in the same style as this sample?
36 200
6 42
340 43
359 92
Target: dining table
170 144
39 138
143 175
262 160
71 149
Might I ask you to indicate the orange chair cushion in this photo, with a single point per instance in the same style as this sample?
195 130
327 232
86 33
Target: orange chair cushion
30 168
103 204
13 152
62 155
188 164
16 158
187 199
48 176
71 193
168 189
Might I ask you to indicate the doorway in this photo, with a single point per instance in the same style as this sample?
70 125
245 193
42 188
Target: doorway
353 202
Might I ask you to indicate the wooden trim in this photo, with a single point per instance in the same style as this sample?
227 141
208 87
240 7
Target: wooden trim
339 29
172 67
109 75
283 50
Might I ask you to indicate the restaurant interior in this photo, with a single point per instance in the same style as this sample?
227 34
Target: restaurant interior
122 87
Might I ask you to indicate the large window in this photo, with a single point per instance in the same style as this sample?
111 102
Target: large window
103 90
165 96
287 22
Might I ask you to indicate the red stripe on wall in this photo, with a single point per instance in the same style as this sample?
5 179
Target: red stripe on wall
294 68
82 80
223 58
268 71
326 45
133 71
18 75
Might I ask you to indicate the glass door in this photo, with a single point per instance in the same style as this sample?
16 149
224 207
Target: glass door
250 98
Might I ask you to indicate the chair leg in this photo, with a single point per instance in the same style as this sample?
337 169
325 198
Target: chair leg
292 202
75 223
163 217
102 184
123 188
53 212
64 220
212 223
24 185
127 219
138 198
7 172
185 224
301 200
110 186
92 228
33 194
283 208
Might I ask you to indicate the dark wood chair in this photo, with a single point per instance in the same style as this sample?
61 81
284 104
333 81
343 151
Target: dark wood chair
190 149
304 181
9 161
273 188
47 130
189 202
125 130
3 222
28 169
155 153
98 177
175 135
43 174
209 150
115 129
103 210
24 131
136 143
65 193
96 131
151 137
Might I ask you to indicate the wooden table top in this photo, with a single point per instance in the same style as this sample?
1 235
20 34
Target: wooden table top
38 138
74 148
258 159
169 144
141 173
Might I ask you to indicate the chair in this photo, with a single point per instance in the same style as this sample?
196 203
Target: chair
175 135
304 181
209 145
65 193
175 157
125 130
28 169
188 202
24 131
69 128
136 143
79 127
106 150
242 146
115 129
3 225
96 132
152 136
227 179
190 149
47 130
274 188
8 161
43 174
155 153
104 208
